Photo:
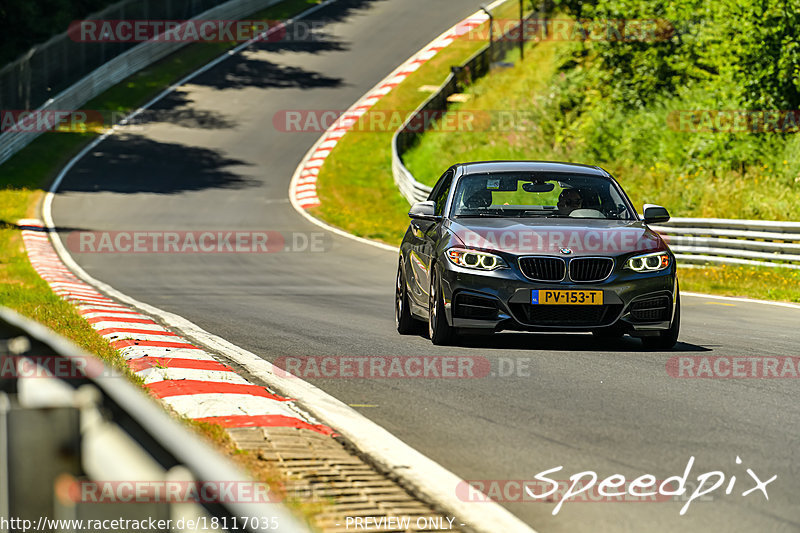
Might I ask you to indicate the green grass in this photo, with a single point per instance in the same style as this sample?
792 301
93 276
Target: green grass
763 192
355 185
358 194
25 177
762 283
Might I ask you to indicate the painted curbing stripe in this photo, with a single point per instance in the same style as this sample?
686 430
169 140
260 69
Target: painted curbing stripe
109 311
155 344
386 450
105 322
154 328
249 421
154 375
214 404
46 258
119 320
137 331
304 197
166 389
143 363
136 352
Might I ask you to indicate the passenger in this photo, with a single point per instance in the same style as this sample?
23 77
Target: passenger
568 201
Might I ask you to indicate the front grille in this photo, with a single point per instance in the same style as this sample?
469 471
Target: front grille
475 307
566 315
590 268
651 310
543 268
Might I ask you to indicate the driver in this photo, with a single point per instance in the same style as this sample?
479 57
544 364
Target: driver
476 195
568 201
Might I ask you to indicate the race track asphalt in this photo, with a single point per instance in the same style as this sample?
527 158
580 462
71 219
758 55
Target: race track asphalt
210 159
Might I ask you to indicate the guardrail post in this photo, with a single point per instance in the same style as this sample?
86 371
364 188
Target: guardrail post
37 446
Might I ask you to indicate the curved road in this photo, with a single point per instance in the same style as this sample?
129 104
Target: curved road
210 159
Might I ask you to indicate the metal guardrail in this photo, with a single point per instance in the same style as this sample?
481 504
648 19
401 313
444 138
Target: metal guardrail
472 69
694 240
743 242
68 421
127 60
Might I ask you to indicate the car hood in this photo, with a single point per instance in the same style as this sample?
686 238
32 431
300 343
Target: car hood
563 236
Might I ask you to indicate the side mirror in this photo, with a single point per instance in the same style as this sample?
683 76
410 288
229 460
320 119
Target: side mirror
424 210
655 214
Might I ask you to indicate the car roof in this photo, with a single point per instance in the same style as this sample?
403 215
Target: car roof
482 167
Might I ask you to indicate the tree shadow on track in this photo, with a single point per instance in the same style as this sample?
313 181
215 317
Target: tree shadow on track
134 164
242 72
310 36
178 109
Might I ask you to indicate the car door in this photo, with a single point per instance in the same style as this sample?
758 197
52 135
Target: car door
426 235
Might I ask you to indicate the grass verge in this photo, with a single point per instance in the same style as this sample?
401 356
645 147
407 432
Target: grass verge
25 177
358 194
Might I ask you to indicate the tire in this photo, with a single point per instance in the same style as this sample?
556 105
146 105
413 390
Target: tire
406 324
667 339
440 332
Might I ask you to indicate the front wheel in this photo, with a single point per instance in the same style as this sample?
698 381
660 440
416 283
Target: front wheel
666 339
440 332
405 323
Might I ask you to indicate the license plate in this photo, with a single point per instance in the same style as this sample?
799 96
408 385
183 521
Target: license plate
561 297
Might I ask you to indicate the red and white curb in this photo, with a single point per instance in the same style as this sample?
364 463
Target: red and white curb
304 187
180 374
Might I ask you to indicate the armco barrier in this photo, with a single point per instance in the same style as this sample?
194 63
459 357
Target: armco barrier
473 68
67 421
694 240
744 242
110 73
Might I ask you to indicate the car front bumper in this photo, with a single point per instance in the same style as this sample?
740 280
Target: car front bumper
641 303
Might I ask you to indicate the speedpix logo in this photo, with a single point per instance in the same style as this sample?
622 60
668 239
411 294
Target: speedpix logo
589 487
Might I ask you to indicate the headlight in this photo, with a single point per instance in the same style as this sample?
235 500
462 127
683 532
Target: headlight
474 259
648 262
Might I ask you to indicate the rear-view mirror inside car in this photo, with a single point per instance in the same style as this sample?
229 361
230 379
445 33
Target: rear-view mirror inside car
538 186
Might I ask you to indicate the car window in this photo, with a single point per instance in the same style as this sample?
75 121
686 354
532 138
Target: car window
440 191
539 194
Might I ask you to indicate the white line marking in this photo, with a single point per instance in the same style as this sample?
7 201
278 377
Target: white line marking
740 299
428 477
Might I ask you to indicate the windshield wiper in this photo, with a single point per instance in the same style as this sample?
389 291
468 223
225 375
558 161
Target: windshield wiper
490 215
534 214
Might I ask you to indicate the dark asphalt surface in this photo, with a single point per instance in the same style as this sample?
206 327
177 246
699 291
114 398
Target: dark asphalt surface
212 160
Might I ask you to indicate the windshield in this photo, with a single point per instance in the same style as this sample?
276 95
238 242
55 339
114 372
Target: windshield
552 195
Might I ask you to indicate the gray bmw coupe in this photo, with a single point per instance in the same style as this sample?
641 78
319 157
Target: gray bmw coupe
535 246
